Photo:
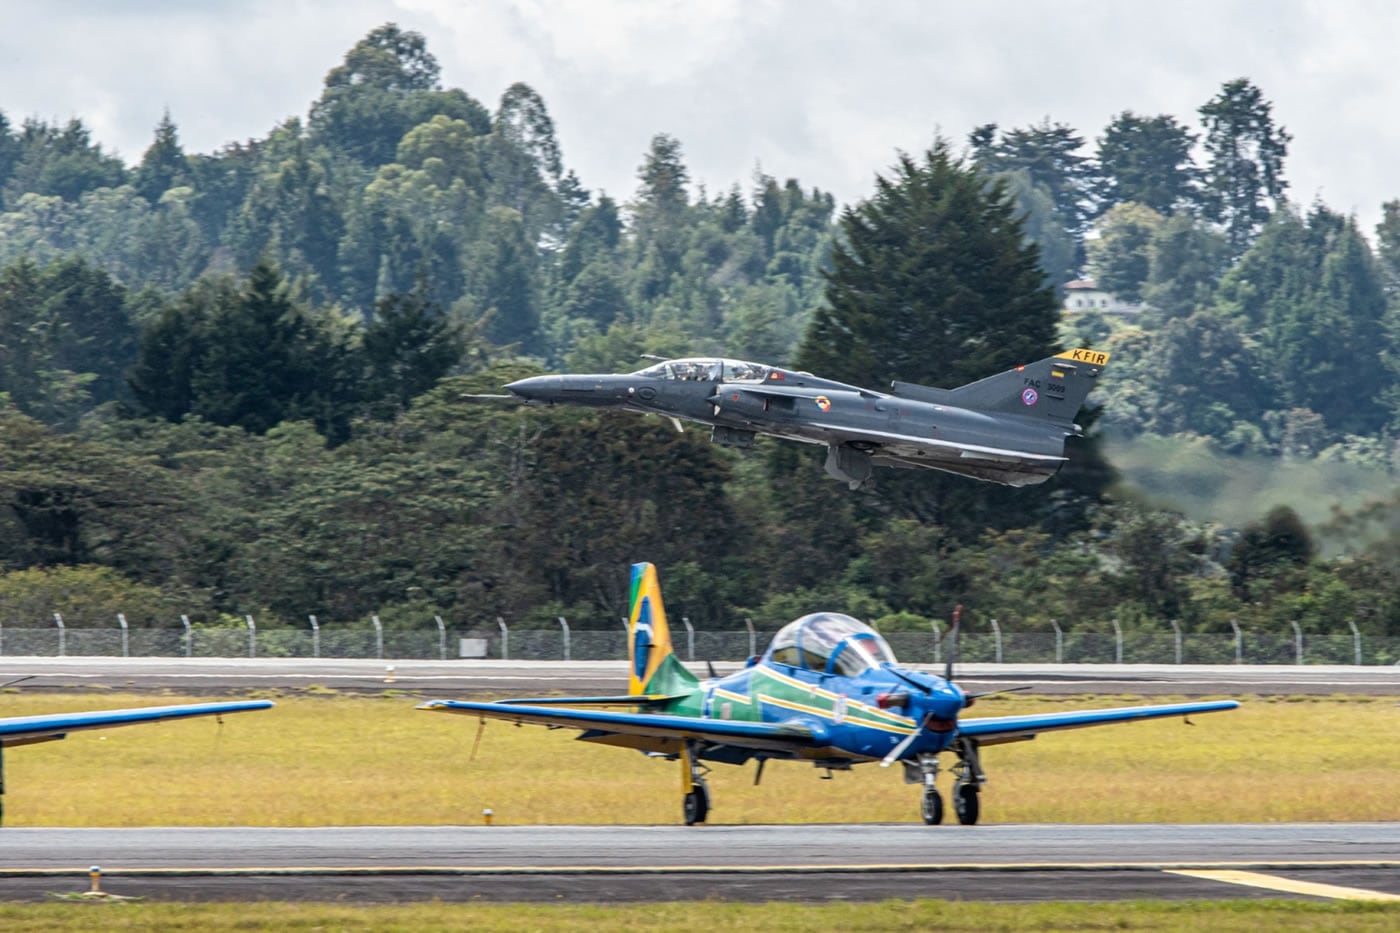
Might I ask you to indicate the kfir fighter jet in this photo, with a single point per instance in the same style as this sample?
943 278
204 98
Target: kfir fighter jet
1009 428
30 730
828 690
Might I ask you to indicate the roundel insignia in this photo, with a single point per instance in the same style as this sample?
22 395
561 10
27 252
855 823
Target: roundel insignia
823 402
1029 396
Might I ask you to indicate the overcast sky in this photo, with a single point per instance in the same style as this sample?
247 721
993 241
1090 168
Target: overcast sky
825 91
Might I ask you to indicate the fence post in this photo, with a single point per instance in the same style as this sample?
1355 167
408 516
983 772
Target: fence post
315 637
189 636
996 634
1059 642
378 637
753 637
442 637
937 642
62 641
1176 631
252 637
689 638
1297 641
505 639
1117 641
1239 642
1355 640
568 651
121 620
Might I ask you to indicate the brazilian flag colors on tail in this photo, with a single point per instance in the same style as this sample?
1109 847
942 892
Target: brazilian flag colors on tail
654 668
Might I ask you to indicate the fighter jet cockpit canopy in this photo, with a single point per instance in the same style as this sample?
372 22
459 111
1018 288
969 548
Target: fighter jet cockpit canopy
707 370
830 643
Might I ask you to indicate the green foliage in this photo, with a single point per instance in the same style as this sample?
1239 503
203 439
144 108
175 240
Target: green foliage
59 162
1267 553
298 315
68 338
86 596
387 84
1120 259
1311 288
250 356
933 283
1147 161
1246 153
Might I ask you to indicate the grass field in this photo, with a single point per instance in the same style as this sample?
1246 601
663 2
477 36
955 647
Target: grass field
326 759
944 916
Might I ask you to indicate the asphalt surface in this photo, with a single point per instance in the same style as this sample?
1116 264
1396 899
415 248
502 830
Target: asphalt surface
752 863
608 864
467 678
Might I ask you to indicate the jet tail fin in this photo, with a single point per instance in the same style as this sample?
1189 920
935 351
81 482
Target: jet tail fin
654 667
1053 389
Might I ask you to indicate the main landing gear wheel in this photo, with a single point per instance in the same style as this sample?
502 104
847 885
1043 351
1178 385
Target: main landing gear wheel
932 808
967 803
697 802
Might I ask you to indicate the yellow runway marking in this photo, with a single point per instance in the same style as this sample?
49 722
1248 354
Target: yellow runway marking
1275 883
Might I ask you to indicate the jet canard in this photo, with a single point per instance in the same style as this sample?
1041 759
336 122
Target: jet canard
1009 428
828 690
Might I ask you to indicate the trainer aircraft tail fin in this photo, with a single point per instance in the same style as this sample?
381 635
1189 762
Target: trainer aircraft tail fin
1053 389
654 667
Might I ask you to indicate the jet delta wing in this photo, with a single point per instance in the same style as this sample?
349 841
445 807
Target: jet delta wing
828 690
30 730
1009 428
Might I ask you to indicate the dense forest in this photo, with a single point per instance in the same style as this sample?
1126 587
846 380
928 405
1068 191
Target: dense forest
232 382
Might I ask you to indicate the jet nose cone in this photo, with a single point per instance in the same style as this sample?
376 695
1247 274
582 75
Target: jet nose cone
536 388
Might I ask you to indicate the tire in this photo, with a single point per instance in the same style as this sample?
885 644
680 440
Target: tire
932 809
967 803
697 802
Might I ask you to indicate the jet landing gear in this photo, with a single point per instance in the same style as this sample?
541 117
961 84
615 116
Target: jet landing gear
848 463
967 782
697 792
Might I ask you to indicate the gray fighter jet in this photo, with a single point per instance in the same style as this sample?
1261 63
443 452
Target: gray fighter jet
1009 428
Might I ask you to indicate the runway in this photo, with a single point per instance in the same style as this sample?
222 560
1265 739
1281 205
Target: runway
605 863
467 678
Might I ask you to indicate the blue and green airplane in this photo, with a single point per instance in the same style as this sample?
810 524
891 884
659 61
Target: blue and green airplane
828 690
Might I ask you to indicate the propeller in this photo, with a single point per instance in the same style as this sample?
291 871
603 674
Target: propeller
927 686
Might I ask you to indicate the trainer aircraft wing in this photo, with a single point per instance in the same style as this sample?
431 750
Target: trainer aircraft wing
662 729
27 730
999 729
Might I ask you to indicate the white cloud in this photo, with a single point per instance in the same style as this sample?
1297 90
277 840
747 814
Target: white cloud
822 90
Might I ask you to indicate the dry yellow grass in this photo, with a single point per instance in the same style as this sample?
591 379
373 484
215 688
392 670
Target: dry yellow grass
886 917
346 760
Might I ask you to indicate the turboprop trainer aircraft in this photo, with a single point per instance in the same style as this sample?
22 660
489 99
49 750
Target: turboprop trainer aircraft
828 690
30 730
1008 428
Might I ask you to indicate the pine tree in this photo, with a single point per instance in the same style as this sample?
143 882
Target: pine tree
164 165
1147 160
932 282
1246 160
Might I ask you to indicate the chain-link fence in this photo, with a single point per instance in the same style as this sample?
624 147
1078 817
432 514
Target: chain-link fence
505 641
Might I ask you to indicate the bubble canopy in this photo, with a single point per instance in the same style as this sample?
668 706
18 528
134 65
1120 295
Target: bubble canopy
830 643
707 370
